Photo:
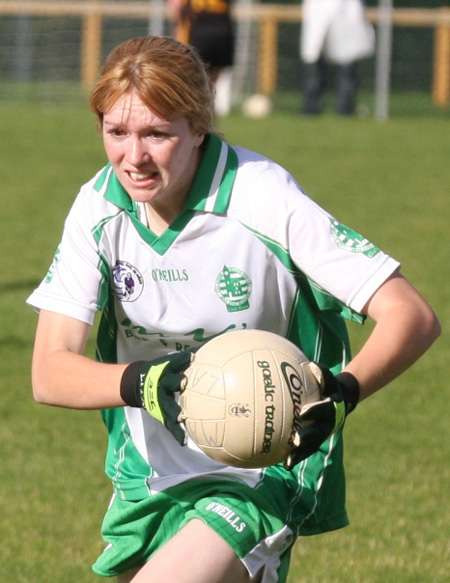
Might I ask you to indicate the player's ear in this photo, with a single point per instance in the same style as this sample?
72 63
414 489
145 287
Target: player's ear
200 139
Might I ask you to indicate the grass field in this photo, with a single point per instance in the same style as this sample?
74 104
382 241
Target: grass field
391 181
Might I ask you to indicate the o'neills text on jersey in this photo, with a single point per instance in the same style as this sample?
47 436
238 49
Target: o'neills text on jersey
170 274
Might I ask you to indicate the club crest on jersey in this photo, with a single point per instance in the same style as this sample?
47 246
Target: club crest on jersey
233 287
348 239
128 283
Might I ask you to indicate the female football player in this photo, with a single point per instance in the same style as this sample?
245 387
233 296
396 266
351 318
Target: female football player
179 238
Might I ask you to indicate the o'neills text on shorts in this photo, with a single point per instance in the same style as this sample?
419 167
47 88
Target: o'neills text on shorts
227 514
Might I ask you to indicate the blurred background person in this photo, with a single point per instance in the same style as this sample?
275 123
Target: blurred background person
207 26
333 32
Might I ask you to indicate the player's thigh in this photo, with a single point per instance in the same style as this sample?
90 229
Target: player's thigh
128 576
196 554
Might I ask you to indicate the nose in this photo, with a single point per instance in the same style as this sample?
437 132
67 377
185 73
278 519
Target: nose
137 153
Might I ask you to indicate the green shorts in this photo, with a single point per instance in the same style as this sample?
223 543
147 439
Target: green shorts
243 517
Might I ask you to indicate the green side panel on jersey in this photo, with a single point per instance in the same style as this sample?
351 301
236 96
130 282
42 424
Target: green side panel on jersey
107 332
122 458
105 286
322 336
312 494
124 464
104 268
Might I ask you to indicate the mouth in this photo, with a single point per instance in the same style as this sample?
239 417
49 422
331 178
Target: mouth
142 176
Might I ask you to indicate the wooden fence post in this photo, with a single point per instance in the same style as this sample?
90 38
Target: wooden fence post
441 72
267 58
91 44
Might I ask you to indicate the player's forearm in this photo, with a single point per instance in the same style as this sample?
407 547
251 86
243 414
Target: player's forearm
71 380
398 339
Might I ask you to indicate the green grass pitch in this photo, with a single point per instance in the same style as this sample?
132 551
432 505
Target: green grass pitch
391 182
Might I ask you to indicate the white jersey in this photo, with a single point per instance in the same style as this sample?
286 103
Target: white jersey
250 250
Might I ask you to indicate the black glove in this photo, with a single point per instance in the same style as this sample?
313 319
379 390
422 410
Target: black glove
318 421
152 384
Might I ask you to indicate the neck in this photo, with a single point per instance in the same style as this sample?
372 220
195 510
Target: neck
158 220
162 211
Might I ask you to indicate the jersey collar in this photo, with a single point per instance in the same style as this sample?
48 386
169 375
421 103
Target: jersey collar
214 179
210 190
110 188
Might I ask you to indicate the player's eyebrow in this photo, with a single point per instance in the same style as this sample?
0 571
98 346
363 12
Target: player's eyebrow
161 126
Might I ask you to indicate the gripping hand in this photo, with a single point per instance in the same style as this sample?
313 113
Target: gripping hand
152 385
318 421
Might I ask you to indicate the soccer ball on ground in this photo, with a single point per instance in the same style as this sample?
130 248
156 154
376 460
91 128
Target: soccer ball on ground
257 105
241 392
